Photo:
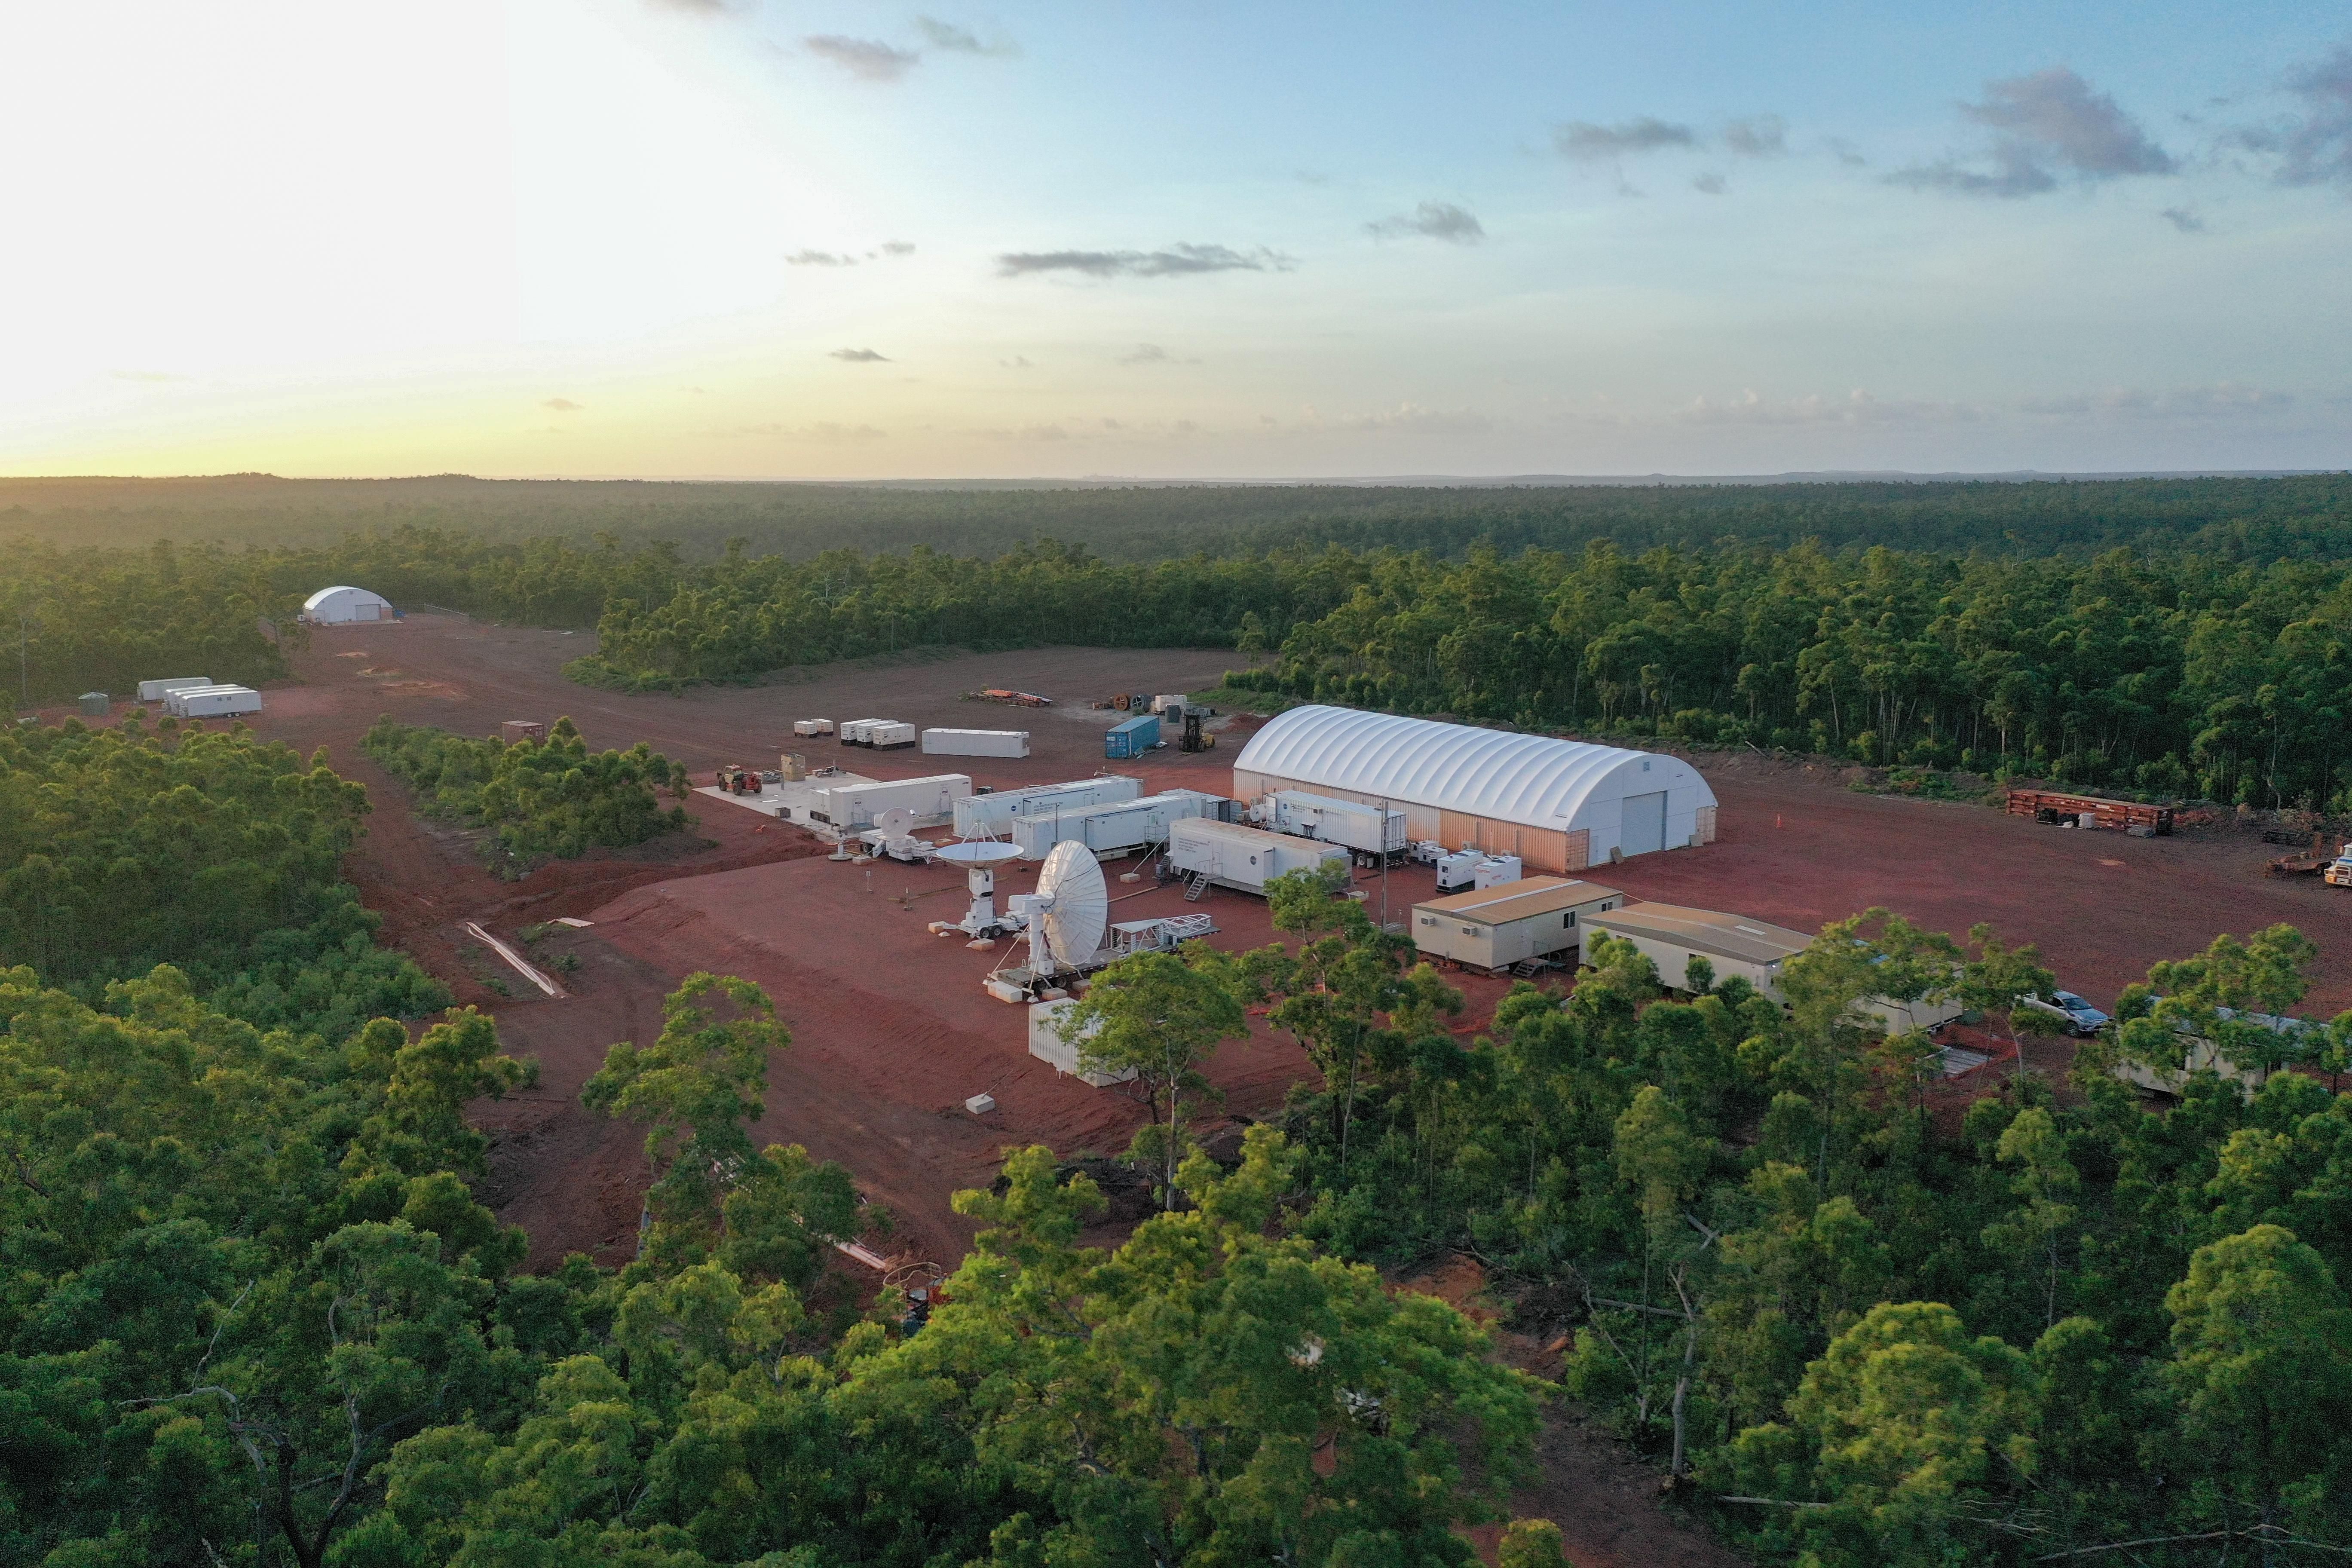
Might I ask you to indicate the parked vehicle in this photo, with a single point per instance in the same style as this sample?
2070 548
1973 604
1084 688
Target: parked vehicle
2078 1017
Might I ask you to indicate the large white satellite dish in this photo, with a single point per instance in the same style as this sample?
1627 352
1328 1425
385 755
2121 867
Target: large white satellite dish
1072 923
979 853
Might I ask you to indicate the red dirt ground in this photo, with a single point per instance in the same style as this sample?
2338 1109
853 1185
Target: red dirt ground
892 1032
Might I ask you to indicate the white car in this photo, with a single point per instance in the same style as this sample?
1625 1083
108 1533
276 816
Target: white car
2078 1016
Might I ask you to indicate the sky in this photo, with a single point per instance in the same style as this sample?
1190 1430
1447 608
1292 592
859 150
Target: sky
1173 239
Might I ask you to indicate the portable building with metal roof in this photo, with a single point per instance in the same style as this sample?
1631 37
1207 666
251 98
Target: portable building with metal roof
1559 805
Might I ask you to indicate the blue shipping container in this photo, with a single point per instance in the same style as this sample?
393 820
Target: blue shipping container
1133 738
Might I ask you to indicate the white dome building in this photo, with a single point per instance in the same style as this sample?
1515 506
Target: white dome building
1559 805
340 607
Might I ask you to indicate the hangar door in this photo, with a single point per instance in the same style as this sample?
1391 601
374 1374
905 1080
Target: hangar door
1645 823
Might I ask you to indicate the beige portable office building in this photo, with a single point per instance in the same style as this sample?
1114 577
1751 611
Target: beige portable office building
1494 928
1670 936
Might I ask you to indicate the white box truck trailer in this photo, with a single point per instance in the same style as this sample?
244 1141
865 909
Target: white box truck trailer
1348 822
976 742
1232 856
1116 829
156 690
992 815
930 801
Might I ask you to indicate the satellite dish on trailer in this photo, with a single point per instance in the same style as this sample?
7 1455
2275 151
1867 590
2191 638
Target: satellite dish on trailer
1072 925
979 853
896 823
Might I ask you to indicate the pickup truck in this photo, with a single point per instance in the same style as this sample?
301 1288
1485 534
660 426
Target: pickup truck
2077 1016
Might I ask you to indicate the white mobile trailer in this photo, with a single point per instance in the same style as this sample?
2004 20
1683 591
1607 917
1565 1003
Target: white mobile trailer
930 801
176 700
214 701
976 742
1335 821
156 690
1116 829
1246 858
1045 1042
992 815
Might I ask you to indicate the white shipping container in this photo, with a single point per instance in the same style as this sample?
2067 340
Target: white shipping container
1335 821
177 700
1116 829
812 726
992 815
930 800
889 734
218 702
156 690
1246 858
1046 1045
976 742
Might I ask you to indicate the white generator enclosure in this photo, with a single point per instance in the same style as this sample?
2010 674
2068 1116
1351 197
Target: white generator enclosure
213 701
1046 1045
812 726
1248 859
1119 828
888 736
1559 805
860 731
992 815
976 742
156 690
930 802
1335 821
341 606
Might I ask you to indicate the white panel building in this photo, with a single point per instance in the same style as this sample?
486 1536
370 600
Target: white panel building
341 606
1559 805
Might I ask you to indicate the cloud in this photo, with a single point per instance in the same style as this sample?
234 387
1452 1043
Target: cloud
1176 261
1708 183
865 59
563 405
825 430
1857 407
859 356
897 247
820 258
1587 143
1151 353
958 40
2220 400
1026 433
2317 145
1413 419
1431 220
2047 124
1757 136
1018 362
2186 221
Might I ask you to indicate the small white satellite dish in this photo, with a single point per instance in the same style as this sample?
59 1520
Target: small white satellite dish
979 853
896 823
1072 925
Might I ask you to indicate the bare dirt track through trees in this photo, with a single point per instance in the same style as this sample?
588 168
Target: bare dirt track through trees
891 1030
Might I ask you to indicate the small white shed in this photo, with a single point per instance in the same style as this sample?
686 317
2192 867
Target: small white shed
343 607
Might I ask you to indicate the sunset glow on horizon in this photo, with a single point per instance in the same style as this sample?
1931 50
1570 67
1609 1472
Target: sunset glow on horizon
754 239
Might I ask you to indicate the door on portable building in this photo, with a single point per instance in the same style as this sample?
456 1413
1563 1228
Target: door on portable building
1645 824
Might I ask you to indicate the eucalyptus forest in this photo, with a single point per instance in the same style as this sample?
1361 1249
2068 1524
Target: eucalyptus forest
257 1312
